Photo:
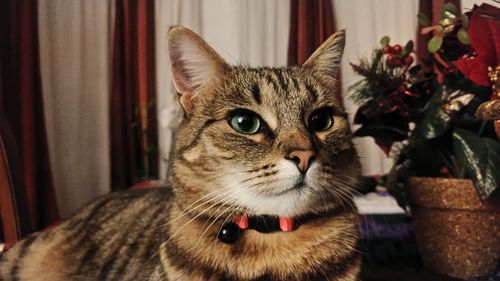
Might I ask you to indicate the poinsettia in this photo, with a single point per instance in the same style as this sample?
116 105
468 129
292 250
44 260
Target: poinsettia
424 113
484 37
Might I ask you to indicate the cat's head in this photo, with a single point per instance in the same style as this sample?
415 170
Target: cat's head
265 140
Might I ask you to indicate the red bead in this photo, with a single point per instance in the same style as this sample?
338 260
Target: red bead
393 61
387 49
408 60
397 49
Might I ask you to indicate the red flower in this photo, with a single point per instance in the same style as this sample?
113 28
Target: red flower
484 36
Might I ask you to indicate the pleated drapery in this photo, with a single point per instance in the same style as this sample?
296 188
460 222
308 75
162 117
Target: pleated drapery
21 103
134 136
311 23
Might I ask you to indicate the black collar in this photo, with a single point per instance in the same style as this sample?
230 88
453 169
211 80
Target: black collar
230 231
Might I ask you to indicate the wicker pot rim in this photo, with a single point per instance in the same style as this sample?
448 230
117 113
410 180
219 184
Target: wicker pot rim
446 193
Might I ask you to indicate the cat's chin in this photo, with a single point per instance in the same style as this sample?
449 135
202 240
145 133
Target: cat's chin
291 194
289 203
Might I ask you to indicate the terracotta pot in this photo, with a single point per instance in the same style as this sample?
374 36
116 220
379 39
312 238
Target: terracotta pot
457 234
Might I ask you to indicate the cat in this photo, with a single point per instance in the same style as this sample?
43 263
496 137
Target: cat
260 185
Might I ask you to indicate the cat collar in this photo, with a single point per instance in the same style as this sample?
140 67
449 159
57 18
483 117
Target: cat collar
229 232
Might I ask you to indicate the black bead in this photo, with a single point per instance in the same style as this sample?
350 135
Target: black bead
228 233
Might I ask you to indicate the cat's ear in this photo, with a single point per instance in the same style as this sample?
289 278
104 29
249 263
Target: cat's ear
326 59
194 63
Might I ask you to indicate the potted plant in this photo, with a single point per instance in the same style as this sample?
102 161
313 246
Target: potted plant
436 118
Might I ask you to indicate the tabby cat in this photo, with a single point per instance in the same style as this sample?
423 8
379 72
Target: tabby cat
260 185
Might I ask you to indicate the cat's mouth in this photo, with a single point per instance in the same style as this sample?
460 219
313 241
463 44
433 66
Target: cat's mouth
285 193
300 184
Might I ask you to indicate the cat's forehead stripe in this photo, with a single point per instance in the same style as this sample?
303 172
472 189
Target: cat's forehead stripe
312 91
278 79
256 93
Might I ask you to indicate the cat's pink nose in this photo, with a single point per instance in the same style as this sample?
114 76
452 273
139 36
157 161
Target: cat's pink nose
302 158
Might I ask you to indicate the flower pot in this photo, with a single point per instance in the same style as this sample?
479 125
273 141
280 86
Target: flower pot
457 234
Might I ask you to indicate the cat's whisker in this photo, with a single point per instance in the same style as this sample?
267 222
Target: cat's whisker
182 227
222 193
185 225
213 222
187 209
225 220
223 197
221 206
341 193
322 193
338 198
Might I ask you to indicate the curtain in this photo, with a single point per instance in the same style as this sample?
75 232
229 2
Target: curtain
21 101
133 128
365 23
311 23
252 32
75 59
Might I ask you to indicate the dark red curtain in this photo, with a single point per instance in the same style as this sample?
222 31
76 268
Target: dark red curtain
432 9
311 23
134 137
21 103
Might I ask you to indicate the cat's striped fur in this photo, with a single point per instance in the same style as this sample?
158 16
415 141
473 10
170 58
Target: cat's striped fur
216 175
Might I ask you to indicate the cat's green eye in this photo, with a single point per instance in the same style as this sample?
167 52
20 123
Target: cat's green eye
244 121
321 120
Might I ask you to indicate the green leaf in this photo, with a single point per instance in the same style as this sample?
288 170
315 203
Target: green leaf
449 11
436 121
408 48
423 20
465 21
480 158
434 44
446 22
448 28
462 36
385 40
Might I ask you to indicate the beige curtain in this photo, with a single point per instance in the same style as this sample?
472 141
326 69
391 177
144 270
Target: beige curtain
74 55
